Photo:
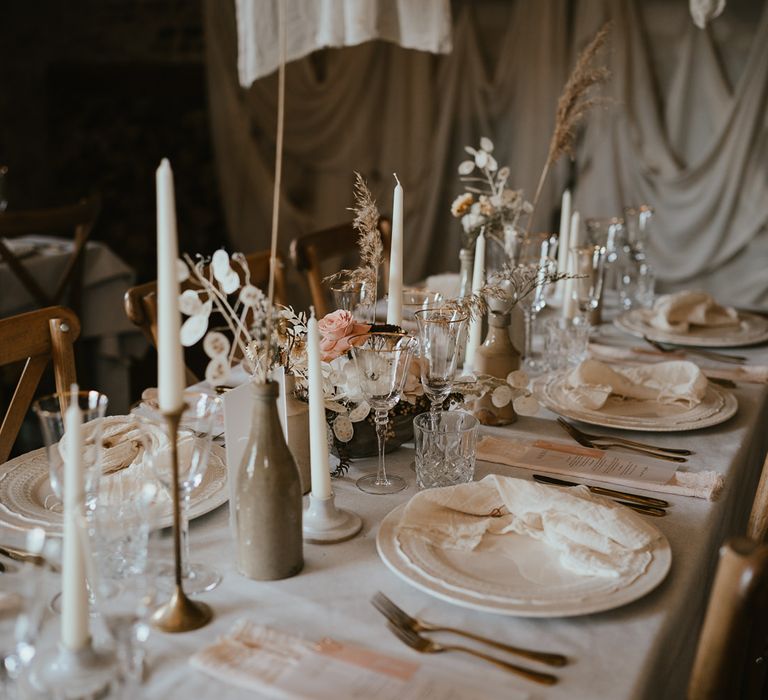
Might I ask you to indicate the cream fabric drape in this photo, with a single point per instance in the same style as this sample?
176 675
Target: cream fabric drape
686 131
689 144
316 24
379 109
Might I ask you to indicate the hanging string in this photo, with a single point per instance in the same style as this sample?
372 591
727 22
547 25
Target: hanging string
278 166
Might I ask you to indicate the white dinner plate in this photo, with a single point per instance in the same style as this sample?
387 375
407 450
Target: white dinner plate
26 498
511 575
752 329
717 406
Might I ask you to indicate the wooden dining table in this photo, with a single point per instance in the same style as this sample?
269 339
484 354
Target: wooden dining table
642 650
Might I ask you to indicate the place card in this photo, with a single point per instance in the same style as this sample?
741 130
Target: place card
281 665
573 460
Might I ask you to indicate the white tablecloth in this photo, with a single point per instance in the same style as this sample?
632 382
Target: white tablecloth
642 650
105 279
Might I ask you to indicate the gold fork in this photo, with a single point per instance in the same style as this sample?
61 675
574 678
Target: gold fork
427 646
399 618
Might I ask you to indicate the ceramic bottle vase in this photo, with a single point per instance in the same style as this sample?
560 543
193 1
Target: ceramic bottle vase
268 504
498 357
297 414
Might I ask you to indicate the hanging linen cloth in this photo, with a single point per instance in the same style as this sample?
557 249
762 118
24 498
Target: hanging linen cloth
316 24
696 149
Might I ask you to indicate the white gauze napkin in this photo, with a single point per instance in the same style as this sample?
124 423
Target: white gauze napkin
594 536
677 382
678 312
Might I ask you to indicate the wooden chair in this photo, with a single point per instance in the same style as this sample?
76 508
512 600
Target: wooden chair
35 338
78 218
140 302
309 251
731 656
757 529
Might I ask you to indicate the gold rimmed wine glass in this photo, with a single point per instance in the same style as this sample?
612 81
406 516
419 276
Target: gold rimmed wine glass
382 361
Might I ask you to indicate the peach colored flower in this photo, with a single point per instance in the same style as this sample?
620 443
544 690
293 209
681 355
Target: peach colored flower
336 331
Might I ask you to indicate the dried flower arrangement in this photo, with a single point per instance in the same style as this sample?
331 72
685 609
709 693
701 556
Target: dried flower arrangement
497 208
366 222
573 105
509 284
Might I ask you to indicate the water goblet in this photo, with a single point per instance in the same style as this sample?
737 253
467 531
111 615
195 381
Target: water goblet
537 252
382 360
194 439
638 221
440 333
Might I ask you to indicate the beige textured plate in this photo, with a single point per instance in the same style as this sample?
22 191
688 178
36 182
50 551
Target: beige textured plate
512 575
718 406
26 498
752 330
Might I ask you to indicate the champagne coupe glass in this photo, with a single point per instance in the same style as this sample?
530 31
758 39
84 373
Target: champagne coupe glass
537 253
587 262
439 335
194 440
51 410
382 360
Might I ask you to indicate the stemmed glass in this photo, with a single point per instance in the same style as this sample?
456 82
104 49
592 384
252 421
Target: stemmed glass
537 252
587 263
415 300
382 360
439 334
357 297
194 440
50 410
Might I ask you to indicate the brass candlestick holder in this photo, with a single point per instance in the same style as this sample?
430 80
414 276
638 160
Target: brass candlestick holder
179 614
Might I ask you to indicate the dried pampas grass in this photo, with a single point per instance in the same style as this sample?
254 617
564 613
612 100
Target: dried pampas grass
574 103
366 222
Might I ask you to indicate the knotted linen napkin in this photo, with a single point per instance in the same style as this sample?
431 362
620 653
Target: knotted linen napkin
678 382
683 311
593 535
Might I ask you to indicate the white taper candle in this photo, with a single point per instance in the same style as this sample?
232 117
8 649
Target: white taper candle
395 291
318 441
562 243
170 357
570 304
74 593
478 280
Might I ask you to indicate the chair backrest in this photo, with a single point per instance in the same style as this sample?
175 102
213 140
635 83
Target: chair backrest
757 529
310 250
35 338
731 655
76 218
140 302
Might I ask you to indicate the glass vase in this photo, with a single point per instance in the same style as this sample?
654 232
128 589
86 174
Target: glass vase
268 507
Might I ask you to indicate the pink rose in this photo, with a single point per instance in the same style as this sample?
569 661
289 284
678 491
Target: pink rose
336 331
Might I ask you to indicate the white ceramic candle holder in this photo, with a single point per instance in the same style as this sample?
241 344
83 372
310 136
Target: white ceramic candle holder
324 523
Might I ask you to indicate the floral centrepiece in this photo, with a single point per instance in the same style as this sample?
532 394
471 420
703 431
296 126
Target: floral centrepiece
498 209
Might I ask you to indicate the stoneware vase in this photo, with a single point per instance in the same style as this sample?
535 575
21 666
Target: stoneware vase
268 504
498 357
297 415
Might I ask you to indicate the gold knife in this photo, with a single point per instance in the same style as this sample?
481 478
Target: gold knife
23 556
602 491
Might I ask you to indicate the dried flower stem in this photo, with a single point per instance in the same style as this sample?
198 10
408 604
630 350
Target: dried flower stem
572 106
